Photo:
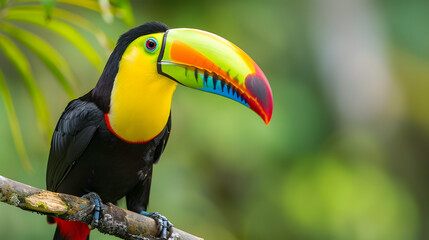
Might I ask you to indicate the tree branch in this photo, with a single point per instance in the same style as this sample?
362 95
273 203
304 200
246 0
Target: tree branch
116 221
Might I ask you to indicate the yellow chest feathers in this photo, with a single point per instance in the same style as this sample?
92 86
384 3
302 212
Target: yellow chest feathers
141 98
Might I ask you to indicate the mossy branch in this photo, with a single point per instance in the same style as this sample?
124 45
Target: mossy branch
116 221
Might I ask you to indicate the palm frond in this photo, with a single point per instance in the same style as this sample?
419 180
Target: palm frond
17 58
76 20
68 32
13 123
47 54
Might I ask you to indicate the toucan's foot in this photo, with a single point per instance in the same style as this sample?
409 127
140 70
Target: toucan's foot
164 226
97 207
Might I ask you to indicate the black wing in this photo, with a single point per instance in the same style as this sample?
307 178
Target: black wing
72 135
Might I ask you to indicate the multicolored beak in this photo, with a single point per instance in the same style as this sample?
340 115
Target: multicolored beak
210 63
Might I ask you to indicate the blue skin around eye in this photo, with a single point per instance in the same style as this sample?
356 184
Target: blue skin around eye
156 44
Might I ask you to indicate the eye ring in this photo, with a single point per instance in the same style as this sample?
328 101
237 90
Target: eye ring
151 44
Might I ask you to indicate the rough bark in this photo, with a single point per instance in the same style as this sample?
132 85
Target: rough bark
116 221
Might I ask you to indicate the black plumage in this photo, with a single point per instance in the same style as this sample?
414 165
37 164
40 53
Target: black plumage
86 157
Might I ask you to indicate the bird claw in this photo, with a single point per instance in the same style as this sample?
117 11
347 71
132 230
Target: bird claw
164 226
97 207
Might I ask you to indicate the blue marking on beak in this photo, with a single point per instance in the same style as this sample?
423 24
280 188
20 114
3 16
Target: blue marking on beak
217 89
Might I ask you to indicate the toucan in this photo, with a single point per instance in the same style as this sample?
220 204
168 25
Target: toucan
106 142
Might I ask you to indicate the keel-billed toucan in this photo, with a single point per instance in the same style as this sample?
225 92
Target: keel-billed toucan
107 140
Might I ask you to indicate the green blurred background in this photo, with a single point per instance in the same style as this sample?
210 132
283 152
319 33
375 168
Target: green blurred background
344 157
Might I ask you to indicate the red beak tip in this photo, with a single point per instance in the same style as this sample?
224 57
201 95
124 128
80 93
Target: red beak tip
267 119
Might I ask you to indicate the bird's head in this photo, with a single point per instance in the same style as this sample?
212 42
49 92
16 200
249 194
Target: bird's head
199 60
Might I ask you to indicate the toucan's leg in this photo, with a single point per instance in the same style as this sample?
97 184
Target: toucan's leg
138 199
164 226
97 206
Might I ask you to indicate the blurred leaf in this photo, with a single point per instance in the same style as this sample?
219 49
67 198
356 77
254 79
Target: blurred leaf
109 8
13 122
12 52
79 21
61 28
52 59
89 4
119 8
48 5
106 10
93 5
123 10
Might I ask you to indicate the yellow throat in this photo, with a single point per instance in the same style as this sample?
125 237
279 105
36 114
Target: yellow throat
141 98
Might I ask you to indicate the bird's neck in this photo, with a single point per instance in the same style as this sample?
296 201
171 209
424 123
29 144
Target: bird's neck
140 101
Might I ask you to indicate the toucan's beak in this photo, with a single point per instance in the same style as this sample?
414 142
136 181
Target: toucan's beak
205 61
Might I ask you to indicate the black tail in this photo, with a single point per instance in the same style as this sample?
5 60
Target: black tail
57 235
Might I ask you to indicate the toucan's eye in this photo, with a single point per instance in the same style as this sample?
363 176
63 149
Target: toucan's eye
151 44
